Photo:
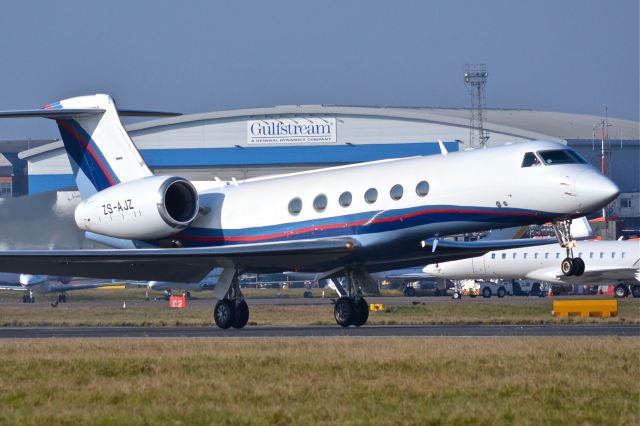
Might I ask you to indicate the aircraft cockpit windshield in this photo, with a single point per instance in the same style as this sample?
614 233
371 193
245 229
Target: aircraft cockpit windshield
530 159
561 156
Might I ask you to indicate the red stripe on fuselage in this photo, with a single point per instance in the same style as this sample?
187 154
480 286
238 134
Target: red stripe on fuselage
347 225
88 147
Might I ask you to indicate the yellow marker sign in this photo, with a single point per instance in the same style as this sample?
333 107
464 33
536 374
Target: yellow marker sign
376 307
585 308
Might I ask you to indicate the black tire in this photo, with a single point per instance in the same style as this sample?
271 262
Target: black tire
361 312
486 292
409 291
456 295
621 291
187 295
501 292
635 290
24 298
579 266
568 267
223 314
343 311
241 315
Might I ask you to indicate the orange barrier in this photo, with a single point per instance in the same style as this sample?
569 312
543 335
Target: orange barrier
585 308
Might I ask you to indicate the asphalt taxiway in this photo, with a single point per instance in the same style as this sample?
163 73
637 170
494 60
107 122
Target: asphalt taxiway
269 332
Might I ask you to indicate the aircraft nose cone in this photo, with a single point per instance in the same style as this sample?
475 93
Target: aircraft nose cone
594 191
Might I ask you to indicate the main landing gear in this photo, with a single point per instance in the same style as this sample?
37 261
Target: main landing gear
232 310
28 297
351 308
570 266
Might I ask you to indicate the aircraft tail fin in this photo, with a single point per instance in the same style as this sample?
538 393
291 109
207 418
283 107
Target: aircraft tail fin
100 151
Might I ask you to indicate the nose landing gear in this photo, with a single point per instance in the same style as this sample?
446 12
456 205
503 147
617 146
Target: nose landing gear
570 266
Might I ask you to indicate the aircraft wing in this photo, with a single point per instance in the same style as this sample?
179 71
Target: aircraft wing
181 264
71 287
591 276
603 274
12 287
451 250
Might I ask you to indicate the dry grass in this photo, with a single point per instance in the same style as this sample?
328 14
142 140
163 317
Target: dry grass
200 314
321 381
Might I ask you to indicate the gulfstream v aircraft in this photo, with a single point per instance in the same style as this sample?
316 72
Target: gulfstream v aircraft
348 220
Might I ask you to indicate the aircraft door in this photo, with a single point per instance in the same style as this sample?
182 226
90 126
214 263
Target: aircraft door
477 264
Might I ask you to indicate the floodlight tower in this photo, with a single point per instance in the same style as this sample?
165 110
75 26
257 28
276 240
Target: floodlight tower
475 77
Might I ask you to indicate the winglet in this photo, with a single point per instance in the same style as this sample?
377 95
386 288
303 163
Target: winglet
443 150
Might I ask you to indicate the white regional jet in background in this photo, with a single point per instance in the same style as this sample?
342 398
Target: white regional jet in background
43 284
350 220
604 263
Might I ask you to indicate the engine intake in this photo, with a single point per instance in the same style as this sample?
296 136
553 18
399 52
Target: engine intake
149 208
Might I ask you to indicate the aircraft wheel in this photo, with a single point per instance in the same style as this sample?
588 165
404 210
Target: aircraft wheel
24 298
409 291
343 311
361 312
241 315
635 290
486 292
502 292
568 267
223 313
579 266
456 295
621 291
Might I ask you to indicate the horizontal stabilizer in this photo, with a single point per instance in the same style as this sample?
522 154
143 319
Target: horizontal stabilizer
142 113
51 113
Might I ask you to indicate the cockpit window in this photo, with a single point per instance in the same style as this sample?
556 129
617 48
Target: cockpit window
560 156
530 159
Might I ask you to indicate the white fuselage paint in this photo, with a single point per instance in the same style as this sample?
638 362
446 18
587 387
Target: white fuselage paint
542 263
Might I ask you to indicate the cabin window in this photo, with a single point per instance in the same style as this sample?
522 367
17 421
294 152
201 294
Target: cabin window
504 255
514 255
557 255
422 188
371 195
493 255
546 255
535 256
613 254
601 255
590 255
396 192
622 255
524 256
345 199
295 206
530 160
320 203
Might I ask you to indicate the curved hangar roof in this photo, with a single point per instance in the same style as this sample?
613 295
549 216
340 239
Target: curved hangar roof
294 137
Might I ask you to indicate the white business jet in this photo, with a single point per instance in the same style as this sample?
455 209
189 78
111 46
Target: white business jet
30 285
350 220
603 263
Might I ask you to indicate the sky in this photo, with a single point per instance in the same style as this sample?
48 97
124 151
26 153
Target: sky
194 56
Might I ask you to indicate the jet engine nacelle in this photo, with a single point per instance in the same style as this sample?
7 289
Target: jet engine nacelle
147 208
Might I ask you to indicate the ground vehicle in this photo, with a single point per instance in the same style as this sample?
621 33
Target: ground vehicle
425 287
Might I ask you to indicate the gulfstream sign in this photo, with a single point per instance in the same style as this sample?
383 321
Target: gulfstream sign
311 130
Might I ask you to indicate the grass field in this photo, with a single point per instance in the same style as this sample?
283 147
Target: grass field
506 311
485 381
